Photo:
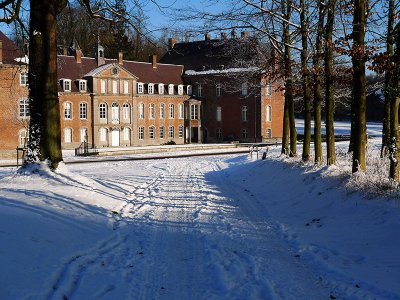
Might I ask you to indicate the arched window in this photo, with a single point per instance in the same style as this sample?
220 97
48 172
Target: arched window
171 132
83 110
181 111
218 90
219 114
127 134
152 130
67 110
171 111
162 132
268 113
126 111
244 89
151 111
68 135
244 114
268 133
115 113
162 110
103 111
141 110
180 131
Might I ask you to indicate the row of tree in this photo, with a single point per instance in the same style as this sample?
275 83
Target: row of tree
314 41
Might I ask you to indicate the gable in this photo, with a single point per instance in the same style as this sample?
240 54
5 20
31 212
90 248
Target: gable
111 71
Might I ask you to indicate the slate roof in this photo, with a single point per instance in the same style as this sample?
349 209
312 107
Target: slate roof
10 50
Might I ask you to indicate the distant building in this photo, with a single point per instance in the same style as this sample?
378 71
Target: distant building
120 103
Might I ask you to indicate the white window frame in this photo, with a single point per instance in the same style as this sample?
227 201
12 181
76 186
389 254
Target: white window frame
127 134
171 111
115 87
170 89
180 89
268 113
103 86
219 114
152 132
23 79
218 90
140 88
126 111
181 111
67 86
115 113
83 110
23 137
152 111
150 88
171 131
189 90
268 133
103 111
194 112
245 89
141 110
24 111
161 88
180 131
82 85
199 90
126 87
161 132
103 134
83 133
141 132
162 110
68 135
244 113
67 110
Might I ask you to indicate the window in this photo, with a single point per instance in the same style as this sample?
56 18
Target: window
102 86
218 133
181 111
194 113
127 134
126 86
244 89
141 133
150 88
82 86
68 135
244 113
161 89
219 114
180 131
67 85
24 108
23 138
218 90
268 115
268 133
151 132
23 79
171 132
170 89
162 133
162 110
103 111
84 135
140 88
141 110
171 111
83 110
189 90
115 113
200 90
180 89
244 133
268 90
115 86
126 111
151 111
68 110
103 134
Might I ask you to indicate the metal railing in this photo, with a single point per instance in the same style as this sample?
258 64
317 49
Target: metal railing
86 149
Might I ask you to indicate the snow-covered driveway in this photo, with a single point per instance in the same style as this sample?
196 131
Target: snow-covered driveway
189 228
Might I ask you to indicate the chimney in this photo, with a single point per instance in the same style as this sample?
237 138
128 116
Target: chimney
1 51
153 60
78 56
120 58
245 34
171 43
223 36
207 37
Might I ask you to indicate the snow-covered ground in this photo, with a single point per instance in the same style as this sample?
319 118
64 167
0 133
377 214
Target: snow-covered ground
222 227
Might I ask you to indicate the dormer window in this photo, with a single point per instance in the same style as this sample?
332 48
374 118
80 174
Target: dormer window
150 88
67 85
161 89
82 85
140 88
244 89
189 90
170 89
180 89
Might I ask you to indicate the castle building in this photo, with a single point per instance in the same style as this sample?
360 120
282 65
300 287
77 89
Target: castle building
120 103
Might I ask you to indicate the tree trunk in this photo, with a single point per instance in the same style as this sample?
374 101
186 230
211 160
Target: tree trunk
394 153
285 135
45 130
329 93
317 85
306 88
388 90
359 84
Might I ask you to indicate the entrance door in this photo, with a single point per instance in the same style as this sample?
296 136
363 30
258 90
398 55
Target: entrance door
115 137
195 135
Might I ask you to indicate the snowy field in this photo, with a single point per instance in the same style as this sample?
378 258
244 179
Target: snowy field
222 227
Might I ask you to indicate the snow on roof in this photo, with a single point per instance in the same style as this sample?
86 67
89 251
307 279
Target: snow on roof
224 71
23 59
98 70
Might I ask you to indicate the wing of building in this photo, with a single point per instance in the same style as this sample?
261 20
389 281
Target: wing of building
190 96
